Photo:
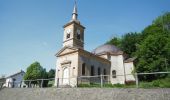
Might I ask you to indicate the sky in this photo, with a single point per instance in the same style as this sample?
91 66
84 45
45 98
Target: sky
32 30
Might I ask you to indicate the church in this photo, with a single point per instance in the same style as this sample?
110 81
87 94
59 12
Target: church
73 61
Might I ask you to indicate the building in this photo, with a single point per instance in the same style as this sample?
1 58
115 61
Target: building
2 81
74 61
14 80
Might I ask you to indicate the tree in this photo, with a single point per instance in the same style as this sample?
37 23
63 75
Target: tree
151 47
45 76
35 71
153 51
129 43
51 73
115 41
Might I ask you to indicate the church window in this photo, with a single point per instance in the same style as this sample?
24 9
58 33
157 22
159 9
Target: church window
104 72
83 69
113 73
99 71
92 70
78 34
68 35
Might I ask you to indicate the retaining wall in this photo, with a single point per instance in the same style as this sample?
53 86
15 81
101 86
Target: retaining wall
83 94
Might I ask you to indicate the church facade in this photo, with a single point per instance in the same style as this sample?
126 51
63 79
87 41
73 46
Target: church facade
74 62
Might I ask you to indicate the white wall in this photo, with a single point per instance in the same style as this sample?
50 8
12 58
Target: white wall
93 62
73 68
118 65
18 78
129 67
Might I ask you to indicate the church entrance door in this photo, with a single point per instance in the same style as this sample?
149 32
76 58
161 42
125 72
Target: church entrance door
66 76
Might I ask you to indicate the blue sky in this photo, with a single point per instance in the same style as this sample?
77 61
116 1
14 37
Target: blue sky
31 30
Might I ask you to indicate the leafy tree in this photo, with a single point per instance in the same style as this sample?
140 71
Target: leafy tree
153 51
44 76
129 43
164 21
115 41
35 71
51 73
151 47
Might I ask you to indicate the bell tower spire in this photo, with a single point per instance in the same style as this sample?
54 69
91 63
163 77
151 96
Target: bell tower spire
75 14
74 31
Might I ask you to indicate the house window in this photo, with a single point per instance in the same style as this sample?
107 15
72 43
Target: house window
98 71
92 70
13 79
83 69
113 73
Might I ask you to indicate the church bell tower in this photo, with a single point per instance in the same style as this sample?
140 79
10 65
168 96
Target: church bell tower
74 32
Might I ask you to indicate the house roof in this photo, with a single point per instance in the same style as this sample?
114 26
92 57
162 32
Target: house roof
16 73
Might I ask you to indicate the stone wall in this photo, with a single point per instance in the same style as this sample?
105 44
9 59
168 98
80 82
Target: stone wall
83 94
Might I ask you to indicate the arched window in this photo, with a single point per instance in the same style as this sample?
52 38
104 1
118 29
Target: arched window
99 72
92 70
113 73
68 35
78 34
83 69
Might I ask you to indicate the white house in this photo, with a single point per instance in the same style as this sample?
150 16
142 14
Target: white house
14 80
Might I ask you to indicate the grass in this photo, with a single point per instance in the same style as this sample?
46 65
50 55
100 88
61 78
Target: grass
160 83
106 86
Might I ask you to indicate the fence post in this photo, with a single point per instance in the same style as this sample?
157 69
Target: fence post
77 82
137 81
101 80
0 85
20 84
8 84
57 82
42 83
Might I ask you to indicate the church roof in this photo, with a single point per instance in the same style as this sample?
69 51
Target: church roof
130 60
75 22
107 48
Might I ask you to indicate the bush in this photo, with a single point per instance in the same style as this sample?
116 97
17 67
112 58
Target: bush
146 85
160 83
